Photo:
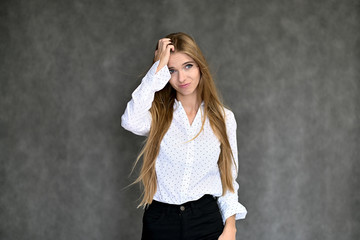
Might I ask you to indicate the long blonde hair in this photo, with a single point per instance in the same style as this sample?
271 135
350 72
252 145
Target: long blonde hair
162 114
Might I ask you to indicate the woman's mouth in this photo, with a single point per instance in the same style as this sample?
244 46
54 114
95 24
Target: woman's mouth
184 85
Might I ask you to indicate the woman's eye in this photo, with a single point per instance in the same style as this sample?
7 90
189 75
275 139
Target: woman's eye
188 66
171 71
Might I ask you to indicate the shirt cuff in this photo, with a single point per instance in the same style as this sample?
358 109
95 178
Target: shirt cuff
230 206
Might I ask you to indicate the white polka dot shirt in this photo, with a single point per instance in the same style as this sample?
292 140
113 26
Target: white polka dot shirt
185 170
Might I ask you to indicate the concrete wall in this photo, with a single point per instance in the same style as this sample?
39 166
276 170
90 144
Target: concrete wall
288 69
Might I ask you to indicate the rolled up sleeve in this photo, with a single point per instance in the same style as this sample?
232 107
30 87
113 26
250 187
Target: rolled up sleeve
228 203
137 117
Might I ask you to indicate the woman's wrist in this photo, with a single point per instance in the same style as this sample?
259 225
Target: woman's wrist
230 228
230 224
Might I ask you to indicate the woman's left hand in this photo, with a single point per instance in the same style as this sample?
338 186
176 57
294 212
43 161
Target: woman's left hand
229 232
228 235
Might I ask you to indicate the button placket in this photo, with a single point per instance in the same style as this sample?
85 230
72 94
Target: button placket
187 168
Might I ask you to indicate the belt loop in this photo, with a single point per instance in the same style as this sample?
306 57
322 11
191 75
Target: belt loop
168 209
193 207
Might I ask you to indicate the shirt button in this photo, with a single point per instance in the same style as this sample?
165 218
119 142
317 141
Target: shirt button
182 208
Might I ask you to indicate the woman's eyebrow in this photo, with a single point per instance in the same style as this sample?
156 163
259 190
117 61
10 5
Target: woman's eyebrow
185 63
188 62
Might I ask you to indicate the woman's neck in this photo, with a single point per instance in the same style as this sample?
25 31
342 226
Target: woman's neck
190 103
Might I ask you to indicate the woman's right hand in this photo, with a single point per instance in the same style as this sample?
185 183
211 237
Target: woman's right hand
163 52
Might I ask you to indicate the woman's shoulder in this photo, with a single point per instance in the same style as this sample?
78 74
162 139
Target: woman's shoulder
228 112
229 115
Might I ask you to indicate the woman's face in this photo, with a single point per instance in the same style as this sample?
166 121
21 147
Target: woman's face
185 74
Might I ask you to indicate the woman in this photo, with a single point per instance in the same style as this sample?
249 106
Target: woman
190 156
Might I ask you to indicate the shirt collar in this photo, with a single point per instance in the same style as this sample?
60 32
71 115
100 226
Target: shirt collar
178 103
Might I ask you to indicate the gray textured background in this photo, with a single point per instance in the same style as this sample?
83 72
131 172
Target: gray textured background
288 69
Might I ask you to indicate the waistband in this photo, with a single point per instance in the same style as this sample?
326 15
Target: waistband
185 206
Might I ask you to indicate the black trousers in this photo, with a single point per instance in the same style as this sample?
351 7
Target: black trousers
195 220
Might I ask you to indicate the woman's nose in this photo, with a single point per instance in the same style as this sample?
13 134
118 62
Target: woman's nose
181 76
